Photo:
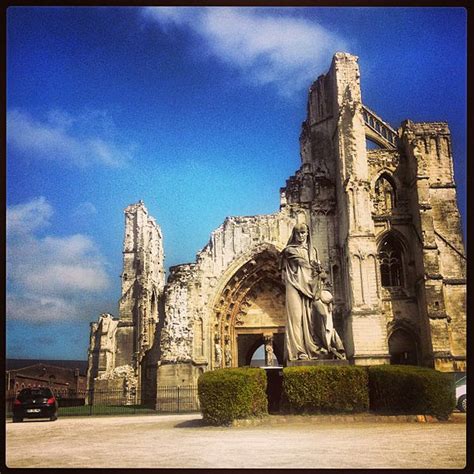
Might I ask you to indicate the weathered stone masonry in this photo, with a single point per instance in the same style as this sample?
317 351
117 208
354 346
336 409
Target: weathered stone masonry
386 226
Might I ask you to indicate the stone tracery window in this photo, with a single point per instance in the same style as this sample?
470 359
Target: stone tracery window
384 195
390 260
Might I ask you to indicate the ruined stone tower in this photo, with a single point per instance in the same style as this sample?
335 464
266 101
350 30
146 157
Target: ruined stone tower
118 346
386 226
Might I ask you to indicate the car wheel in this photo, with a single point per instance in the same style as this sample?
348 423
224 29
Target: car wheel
462 403
53 418
17 420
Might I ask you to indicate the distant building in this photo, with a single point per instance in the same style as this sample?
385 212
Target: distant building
67 381
387 229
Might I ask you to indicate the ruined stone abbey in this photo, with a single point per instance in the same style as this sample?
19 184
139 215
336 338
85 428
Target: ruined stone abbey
387 229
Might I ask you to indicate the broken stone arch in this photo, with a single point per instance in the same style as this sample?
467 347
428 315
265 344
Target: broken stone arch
249 306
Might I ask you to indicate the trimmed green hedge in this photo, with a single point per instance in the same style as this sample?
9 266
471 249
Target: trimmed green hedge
406 389
229 394
317 389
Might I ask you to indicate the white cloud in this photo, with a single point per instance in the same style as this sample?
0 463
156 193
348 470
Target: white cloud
62 138
63 277
49 275
40 309
25 218
286 51
85 209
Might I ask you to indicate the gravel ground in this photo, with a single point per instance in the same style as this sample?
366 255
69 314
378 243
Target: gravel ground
182 441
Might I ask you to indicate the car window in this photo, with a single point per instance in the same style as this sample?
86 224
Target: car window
461 381
35 392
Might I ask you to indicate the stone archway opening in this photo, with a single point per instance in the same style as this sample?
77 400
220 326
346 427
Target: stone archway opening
258 357
402 348
253 349
251 310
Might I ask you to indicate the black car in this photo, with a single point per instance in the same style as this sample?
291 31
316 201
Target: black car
35 403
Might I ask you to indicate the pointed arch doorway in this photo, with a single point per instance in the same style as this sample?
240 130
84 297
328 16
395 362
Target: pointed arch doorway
250 310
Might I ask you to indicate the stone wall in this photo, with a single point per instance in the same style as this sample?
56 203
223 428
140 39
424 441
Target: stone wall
205 302
437 223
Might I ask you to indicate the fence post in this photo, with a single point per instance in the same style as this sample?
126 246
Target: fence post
178 401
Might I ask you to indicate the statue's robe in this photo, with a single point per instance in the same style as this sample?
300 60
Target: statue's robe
297 275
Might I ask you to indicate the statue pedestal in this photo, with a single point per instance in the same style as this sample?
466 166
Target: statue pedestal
310 362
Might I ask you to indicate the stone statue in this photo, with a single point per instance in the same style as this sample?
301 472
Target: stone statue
310 332
268 351
217 353
298 269
227 354
323 324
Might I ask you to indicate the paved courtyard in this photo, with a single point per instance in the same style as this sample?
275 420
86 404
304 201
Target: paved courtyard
181 441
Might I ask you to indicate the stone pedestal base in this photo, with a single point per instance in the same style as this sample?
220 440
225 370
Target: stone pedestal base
371 359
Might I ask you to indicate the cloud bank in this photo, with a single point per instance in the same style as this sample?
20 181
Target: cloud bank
48 277
265 48
82 140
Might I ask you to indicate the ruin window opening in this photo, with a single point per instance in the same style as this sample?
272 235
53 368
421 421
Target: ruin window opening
390 260
385 194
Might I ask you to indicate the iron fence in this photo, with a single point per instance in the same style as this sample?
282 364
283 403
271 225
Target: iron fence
168 399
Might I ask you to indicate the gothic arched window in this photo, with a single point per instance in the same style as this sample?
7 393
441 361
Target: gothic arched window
384 194
390 259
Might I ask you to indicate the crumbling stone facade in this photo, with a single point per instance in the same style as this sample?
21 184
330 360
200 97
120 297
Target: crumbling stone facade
118 347
387 230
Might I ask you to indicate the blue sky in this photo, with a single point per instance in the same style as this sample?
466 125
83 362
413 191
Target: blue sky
196 111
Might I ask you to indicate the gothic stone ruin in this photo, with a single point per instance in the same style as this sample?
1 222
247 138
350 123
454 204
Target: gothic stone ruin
387 229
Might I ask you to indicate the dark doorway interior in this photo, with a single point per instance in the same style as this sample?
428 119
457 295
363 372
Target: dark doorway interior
274 388
402 348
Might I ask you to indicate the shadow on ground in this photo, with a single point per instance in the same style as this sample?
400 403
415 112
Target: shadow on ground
192 424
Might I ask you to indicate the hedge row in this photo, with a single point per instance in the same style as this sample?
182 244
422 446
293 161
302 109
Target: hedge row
229 394
411 390
315 389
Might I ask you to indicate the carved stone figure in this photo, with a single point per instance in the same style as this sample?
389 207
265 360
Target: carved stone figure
299 267
323 325
227 354
217 353
269 351
310 330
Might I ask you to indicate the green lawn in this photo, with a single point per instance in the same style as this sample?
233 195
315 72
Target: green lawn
104 410
87 410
